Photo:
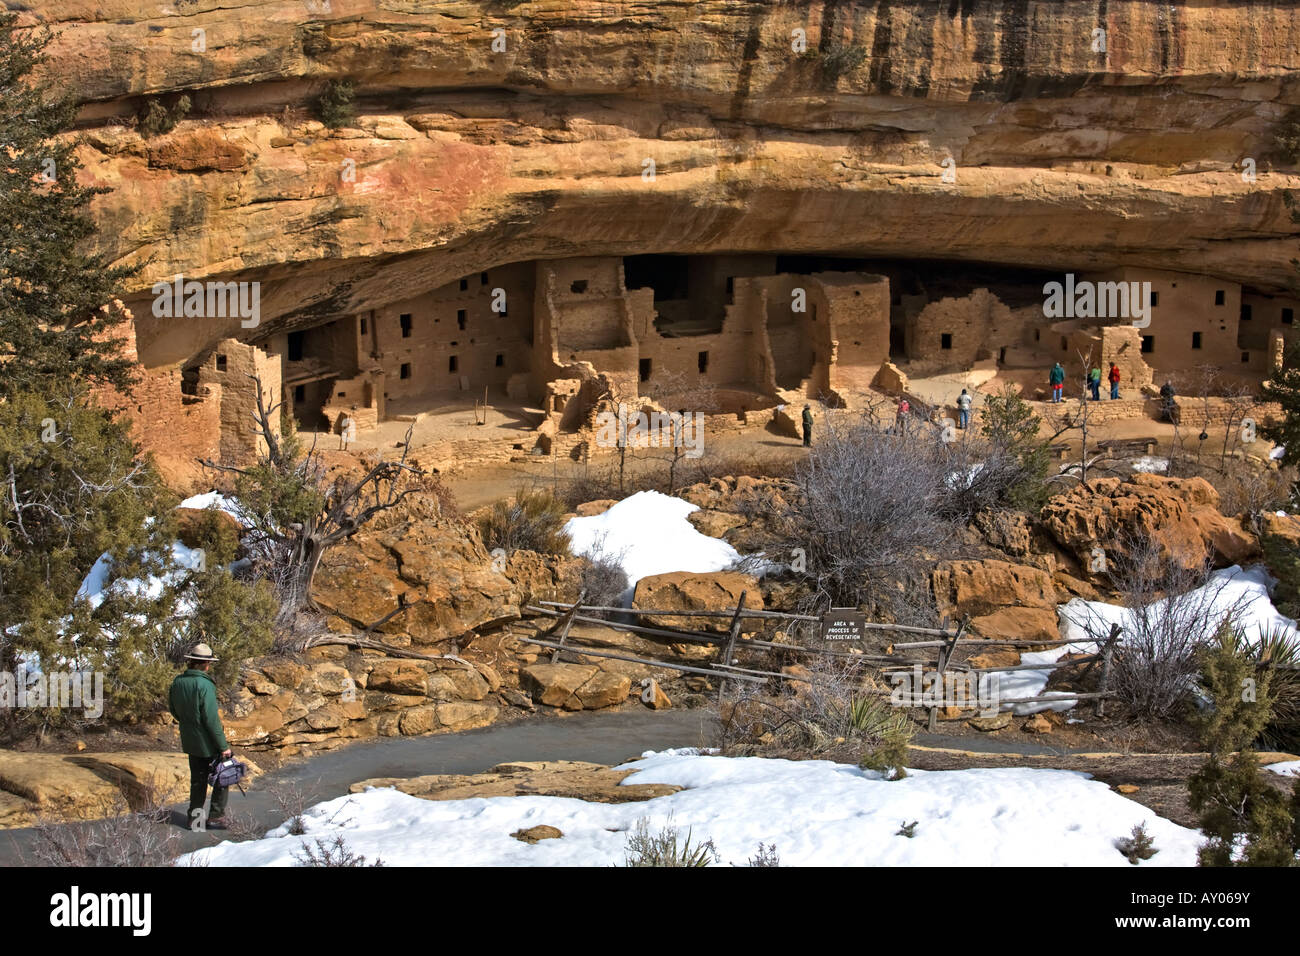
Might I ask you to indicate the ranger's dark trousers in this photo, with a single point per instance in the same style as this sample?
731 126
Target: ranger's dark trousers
199 769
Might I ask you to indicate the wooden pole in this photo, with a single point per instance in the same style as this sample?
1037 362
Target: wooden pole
564 634
688 637
589 652
1107 651
734 631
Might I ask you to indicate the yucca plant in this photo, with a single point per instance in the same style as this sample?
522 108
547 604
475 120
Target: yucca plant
1279 650
662 848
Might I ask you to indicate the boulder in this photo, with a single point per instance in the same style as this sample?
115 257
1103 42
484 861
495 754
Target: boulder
991 724
1005 530
978 587
145 778
1285 526
555 684
1181 515
683 590
715 524
1002 599
418 720
466 715
283 671
1002 657
398 677
435 565
1037 624
538 833
604 690
579 780
653 696
1037 724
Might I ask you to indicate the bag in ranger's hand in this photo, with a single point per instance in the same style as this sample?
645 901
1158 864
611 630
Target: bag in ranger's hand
227 773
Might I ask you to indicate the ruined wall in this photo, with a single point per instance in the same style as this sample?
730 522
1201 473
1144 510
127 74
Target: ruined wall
177 429
951 334
228 367
434 343
1194 320
582 313
858 306
791 336
1270 316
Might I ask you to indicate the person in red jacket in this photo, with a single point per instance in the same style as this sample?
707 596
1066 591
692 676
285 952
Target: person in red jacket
1113 377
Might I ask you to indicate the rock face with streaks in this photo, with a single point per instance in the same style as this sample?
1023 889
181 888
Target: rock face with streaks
1069 152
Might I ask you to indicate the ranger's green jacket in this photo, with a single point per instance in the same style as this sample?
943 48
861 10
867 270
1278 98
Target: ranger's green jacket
193 702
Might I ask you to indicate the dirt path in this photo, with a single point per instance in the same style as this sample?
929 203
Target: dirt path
608 738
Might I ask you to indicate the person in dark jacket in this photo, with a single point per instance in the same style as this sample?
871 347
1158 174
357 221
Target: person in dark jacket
1056 378
193 702
807 424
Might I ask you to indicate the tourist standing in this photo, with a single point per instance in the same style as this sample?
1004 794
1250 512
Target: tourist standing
963 409
807 425
1114 380
347 430
1094 382
1057 381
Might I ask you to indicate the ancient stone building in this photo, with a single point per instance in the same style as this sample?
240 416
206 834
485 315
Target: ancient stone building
541 333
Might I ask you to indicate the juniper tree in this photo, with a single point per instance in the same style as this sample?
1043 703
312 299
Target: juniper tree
56 297
1008 424
1245 819
75 489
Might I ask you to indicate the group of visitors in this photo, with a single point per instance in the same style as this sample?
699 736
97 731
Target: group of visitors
1056 379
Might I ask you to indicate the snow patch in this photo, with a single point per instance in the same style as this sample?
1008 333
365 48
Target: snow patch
815 812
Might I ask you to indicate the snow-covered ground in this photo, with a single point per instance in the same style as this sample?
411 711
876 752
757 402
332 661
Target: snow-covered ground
648 533
1151 464
1287 768
1244 591
214 499
815 812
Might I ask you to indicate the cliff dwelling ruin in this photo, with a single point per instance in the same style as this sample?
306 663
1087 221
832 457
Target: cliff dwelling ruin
551 341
